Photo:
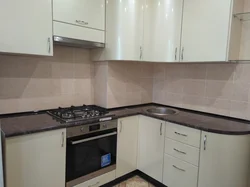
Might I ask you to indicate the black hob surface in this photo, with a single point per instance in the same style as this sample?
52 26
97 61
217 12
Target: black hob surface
78 113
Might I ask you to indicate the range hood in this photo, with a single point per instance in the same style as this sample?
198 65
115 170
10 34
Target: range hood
77 43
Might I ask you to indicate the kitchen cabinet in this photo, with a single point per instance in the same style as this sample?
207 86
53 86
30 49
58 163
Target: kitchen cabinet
224 160
124 31
36 159
178 173
206 31
151 147
26 27
127 140
85 13
79 19
162 30
171 31
181 160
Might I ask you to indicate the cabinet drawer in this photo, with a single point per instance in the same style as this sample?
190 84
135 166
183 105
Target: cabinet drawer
98 181
178 173
183 134
182 151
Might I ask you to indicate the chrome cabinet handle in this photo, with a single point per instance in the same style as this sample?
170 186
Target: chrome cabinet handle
82 22
181 134
182 53
179 168
161 129
120 126
48 41
175 55
62 139
140 53
182 152
205 142
94 184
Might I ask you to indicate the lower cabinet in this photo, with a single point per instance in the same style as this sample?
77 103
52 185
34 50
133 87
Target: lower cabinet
224 160
178 173
151 147
98 181
127 140
36 160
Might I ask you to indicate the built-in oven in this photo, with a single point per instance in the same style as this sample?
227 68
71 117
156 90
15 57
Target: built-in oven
91 151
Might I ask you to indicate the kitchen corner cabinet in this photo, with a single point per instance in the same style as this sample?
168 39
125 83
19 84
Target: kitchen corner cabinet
124 31
36 160
26 27
151 147
224 160
162 30
127 140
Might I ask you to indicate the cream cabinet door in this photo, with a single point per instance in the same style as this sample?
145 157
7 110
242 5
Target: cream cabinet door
127 141
151 147
162 30
224 160
124 31
26 27
36 160
205 30
80 12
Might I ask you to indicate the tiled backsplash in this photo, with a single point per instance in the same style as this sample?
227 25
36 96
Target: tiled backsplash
70 78
215 88
125 83
35 83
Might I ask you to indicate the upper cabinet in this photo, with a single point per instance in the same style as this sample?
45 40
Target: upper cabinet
205 30
124 31
171 31
79 19
26 27
80 12
162 30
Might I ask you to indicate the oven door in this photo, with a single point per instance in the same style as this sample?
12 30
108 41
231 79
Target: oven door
89 153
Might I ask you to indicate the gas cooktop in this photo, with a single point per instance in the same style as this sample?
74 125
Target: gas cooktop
78 113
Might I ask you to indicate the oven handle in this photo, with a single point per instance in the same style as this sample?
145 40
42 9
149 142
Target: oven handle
93 138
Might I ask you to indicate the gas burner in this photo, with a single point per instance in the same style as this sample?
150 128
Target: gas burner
74 113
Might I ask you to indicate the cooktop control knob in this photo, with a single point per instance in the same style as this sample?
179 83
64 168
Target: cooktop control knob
82 129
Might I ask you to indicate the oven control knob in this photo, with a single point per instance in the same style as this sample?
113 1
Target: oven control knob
82 129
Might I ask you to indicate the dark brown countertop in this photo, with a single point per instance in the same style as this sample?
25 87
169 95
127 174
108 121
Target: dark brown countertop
27 124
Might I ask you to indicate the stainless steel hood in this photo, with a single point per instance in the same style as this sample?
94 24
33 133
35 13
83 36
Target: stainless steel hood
77 43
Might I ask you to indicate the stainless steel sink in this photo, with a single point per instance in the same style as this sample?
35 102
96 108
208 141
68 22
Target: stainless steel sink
161 111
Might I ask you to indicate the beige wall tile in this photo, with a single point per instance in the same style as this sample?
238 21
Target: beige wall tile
35 83
133 98
158 84
159 71
194 87
194 71
193 102
218 106
174 85
219 89
173 99
221 72
240 110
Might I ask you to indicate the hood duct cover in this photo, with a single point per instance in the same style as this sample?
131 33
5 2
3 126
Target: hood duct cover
77 43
